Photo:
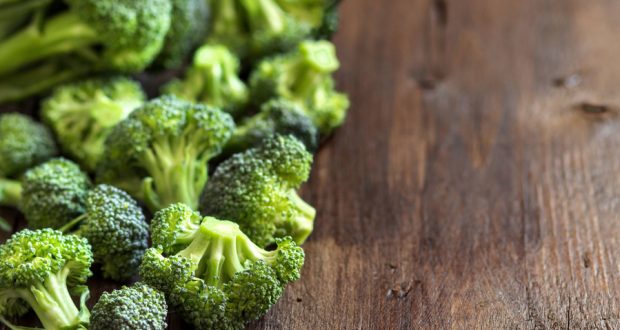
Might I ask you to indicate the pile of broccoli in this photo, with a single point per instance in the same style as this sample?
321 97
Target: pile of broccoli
188 201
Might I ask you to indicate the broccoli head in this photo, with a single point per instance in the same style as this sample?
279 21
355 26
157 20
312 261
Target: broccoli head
190 19
41 270
136 307
212 273
213 79
257 190
53 193
83 113
24 143
305 77
161 151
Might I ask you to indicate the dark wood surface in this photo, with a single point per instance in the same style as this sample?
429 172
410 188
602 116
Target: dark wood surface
476 183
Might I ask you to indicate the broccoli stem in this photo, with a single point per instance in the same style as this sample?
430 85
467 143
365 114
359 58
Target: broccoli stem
303 223
60 34
69 225
10 192
264 15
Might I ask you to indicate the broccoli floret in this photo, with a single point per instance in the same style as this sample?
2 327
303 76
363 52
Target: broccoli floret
213 79
53 193
136 307
41 270
190 19
116 228
304 77
122 35
160 152
212 273
330 23
82 114
257 190
276 117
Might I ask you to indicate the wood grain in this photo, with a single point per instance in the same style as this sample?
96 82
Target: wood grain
476 183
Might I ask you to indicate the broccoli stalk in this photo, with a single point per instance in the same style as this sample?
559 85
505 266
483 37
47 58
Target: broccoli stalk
10 192
41 270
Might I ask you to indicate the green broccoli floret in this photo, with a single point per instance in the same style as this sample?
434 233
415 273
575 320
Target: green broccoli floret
257 190
331 21
41 270
121 35
161 151
115 227
24 143
82 114
212 273
53 193
213 79
129 308
276 117
190 20
304 77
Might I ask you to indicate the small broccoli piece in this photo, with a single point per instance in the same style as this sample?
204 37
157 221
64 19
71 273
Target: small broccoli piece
212 273
119 36
213 79
161 151
330 23
276 117
257 190
304 77
82 114
136 307
116 228
41 270
190 20
53 193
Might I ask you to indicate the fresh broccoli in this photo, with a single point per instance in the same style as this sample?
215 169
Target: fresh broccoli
53 193
212 273
190 20
257 190
121 35
130 308
14 14
41 270
330 23
276 117
24 143
213 79
160 152
304 77
254 29
83 113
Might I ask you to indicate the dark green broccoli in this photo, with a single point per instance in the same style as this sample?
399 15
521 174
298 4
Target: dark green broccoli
330 23
53 193
212 273
304 77
41 270
121 35
83 113
257 190
190 20
276 117
161 151
254 29
213 79
130 308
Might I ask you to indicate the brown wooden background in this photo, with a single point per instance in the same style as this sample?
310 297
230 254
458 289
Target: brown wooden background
476 183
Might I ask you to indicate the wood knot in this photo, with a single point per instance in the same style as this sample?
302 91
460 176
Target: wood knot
594 111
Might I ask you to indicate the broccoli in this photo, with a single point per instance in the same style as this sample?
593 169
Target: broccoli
276 117
41 270
303 76
16 13
136 307
24 143
122 35
83 113
213 79
254 29
212 273
53 193
190 19
257 190
330 23
160 152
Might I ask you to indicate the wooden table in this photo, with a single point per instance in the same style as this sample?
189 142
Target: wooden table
476 183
